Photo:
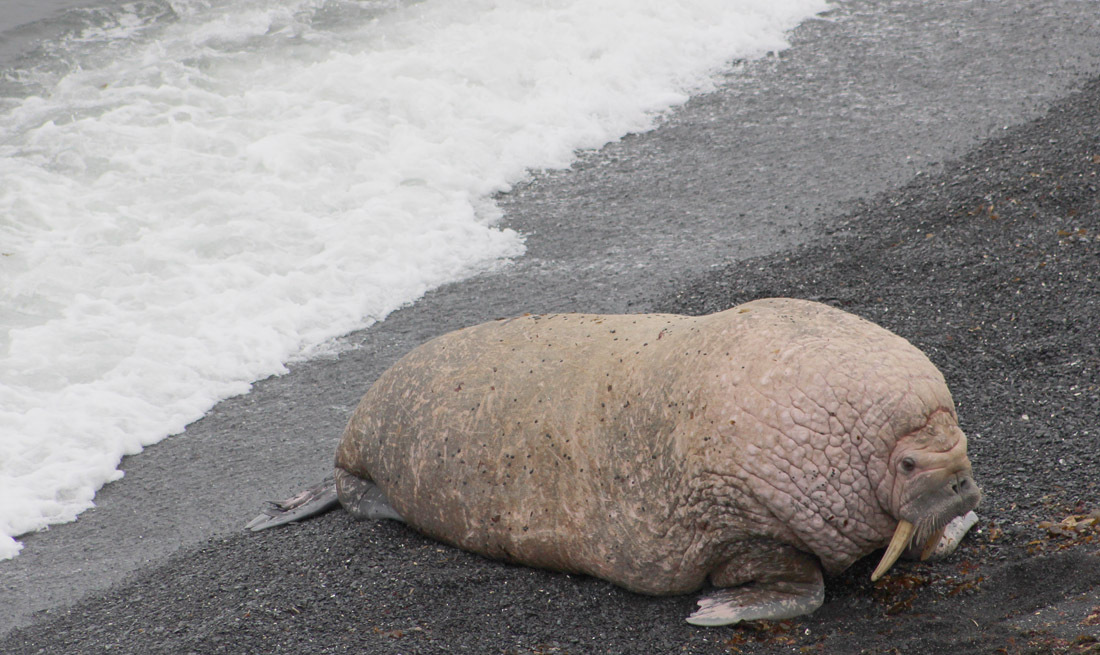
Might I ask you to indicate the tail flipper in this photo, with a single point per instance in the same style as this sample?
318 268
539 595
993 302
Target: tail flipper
363 499
311 502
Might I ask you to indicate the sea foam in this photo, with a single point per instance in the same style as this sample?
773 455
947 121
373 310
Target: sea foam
194 193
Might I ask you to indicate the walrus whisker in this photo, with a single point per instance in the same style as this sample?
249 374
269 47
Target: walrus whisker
933 541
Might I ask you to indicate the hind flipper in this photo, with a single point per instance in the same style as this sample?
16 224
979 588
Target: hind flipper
363 499
315 500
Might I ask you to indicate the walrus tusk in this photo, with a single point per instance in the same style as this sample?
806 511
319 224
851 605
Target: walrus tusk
930 545
902 535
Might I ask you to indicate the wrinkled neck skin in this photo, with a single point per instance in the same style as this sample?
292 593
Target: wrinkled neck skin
826 505
843 503
807 440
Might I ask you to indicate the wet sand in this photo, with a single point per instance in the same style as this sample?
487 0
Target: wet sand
868 167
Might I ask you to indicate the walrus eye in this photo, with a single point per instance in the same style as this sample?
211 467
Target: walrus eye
908 465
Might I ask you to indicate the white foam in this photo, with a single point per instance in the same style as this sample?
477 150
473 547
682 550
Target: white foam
220 187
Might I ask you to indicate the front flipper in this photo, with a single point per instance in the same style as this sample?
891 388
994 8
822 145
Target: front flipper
784 583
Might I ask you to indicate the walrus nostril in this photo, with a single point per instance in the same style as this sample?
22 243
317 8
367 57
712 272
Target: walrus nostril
960 485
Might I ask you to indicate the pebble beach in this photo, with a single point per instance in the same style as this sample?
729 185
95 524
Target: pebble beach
950 194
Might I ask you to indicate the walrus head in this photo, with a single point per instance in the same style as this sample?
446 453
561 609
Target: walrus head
932 484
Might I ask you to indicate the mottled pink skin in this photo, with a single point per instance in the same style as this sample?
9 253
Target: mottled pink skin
654 450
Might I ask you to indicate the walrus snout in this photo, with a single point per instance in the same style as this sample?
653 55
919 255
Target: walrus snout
927 515
956 486
934 510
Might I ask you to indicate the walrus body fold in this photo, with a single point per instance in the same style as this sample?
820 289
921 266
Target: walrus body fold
761 444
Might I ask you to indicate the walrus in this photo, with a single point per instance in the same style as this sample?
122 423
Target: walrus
753 449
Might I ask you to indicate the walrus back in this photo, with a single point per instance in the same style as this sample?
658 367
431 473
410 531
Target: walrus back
519 439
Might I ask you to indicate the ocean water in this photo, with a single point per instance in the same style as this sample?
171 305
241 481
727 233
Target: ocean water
194 193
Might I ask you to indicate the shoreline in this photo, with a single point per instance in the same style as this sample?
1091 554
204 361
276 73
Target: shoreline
642 225
332 584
